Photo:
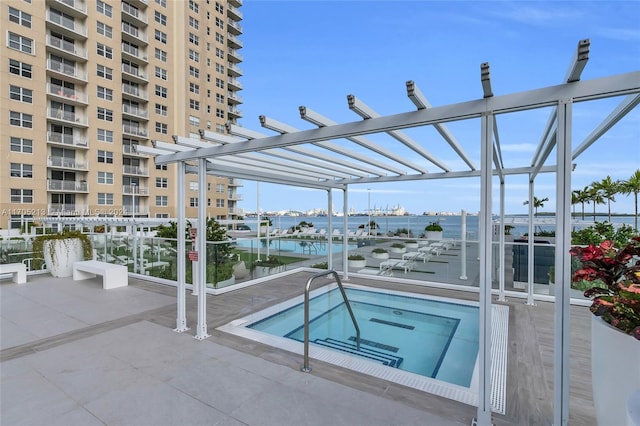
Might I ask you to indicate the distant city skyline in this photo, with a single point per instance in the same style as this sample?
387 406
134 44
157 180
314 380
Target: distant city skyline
293 58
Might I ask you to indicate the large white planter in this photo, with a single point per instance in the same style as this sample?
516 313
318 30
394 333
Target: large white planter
397 250
59 256
615 372
433 235
380 255
357 263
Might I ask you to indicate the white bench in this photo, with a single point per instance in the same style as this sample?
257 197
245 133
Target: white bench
18 270
113 276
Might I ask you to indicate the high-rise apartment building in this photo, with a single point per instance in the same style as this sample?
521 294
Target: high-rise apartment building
86 82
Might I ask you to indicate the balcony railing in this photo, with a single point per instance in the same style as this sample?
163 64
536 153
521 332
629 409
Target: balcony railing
234 197
70 116
78 5
66 139
135 170
235 69
132 150
234 11
70 70
66 46
234 24
140 35
67 185
67 23
135 189
133 130
234 82
134 13
135 91
126 68
137 111
235 41
66 209
65 92
234 53
235 182
138 211
67 163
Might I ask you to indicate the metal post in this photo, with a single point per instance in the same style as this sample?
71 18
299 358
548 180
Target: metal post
181 318
345 233
563 266
369 212
463 248
501 296
329 230
202 250
258 216
531 248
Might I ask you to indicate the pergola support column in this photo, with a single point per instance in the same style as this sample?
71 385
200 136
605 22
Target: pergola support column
201 241
181 309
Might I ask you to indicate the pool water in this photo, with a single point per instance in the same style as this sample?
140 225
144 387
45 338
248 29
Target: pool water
433 338
306 247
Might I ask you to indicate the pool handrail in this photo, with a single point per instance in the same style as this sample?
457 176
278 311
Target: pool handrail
306 367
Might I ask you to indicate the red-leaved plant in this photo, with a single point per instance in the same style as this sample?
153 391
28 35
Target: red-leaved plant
616 290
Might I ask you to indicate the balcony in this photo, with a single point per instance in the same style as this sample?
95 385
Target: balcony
234 211
234 42
234 111
234 182
138 211
234 70
136 14
134 91
75 96
235 197
132 150
236 3
67 185
134 170
66 209
234 27
135 131
73 7
135 189
135 112
136 35
67 116
234 13
68 140
66 26
134 73
67 70
234 83
67 47
132 52
234 98
233 55
67 163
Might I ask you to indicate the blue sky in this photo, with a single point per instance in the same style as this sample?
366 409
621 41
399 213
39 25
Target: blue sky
315 53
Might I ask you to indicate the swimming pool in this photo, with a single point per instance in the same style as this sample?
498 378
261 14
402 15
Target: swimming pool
427 343
307 247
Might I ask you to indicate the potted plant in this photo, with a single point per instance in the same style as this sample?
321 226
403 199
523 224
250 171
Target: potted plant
433 231
356 261
615 325
267 266
379 253
60 250
411 244
398 248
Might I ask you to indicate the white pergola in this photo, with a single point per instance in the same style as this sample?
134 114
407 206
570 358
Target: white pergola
335 156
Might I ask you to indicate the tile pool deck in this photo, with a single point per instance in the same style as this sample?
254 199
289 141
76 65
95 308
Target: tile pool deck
73 353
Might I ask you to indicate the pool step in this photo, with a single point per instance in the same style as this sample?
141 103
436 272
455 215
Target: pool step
364 352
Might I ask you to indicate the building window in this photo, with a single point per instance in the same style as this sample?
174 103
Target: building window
219 98
193 55
219 53
104 93
161 37
219 38
104 29
161 91
194 72
162 167
21 170
219 23
219 113
193 202
194 23
22 196
194 88
105 178
161 109
105 198
162 215
220 188
162 3
105 157
105 135
193 185
193 6
162 182
104 8
105 114
20 43
19 17
194 39
219 8
161 128
160 18
161 55
219 68
162 200
21 145
19 68
220 128
219 202
193 104
105 72
194 121
20 94
161 73
20 119
105 51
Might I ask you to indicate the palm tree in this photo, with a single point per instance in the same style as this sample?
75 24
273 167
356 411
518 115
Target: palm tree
583 197
608 188
537 202
632 186
595 196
